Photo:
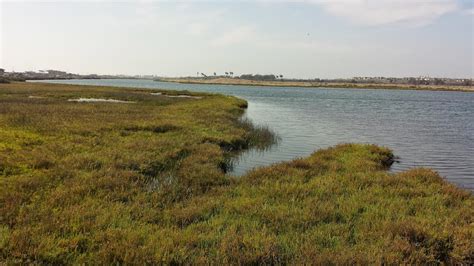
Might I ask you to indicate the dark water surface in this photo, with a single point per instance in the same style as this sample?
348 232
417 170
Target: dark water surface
424 128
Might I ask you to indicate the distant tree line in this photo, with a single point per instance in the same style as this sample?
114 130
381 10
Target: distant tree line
268 77
227 74
364 80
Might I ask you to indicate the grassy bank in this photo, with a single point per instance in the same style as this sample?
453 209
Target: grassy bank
235 81
142 181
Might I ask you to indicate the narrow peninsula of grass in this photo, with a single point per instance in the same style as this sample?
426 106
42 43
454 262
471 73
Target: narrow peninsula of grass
138 179
309 84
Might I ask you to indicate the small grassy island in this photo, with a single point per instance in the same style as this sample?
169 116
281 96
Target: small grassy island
103 175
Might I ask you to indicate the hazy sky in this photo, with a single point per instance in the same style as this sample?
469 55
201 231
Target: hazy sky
308 39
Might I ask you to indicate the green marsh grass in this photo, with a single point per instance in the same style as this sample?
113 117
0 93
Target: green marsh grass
143 183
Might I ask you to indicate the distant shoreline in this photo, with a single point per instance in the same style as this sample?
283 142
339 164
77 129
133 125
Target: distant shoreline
308 84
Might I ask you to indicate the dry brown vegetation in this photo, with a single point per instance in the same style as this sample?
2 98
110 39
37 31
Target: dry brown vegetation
143 183
279 83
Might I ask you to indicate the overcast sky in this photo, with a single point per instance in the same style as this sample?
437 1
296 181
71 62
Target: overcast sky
301 39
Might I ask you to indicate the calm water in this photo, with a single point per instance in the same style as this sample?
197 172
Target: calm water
423 128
